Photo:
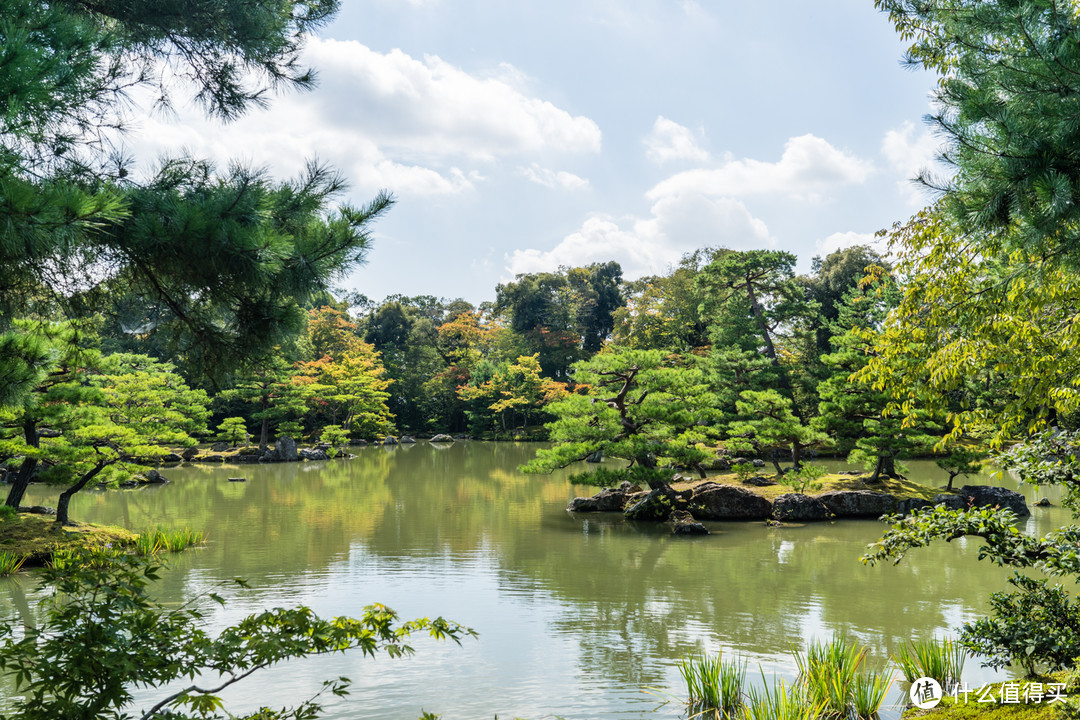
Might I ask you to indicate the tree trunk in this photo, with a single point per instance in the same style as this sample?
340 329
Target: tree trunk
21 482
796 455
770 349
264 431
26 470
65 497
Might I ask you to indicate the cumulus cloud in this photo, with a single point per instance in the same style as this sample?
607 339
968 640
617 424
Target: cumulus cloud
419 126
841 240
908 152
809 168
552 179
428 106
671 141
643 246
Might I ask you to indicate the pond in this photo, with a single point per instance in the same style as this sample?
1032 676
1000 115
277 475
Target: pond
577 615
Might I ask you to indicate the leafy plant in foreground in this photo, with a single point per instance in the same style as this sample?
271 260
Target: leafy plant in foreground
100 601
942 660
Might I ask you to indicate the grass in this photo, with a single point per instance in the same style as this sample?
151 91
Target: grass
10 563
900 489
35 538
834 680
780 701
156 540
714 686
942 660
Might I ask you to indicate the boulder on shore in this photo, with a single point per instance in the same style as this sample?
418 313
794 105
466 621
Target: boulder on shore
286 449
657 506
858 503
407 440
607 500
312 454
796 507
442 438
712 501
189 454
390 440
219 447
989 496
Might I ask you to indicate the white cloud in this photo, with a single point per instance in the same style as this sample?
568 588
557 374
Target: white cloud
385 120
909 152
808 169
650 245
671 141
432 108
841 240
552 179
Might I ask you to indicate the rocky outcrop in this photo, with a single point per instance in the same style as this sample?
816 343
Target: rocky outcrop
712 501
153 477
170 458
910 505
1044 502
357 443
37 510
682 523
219 447
988 496
189 453
608 500
390 440
953 502
796 507
285 447
442 438
858 503
312 454
406 440
759 481
658 505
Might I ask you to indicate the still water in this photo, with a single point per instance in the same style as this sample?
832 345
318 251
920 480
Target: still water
576 615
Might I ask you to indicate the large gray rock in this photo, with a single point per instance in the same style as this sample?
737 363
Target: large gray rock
153 477
170 458
219 447
953 502
910 505
607 500
858 503
712 501
988 496
286 449
313 454
406 440
189 453
390 440
442 438
656 506
796 507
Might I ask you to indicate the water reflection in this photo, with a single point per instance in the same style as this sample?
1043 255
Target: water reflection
576 614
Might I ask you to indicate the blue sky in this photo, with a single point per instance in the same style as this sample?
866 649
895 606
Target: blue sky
521 136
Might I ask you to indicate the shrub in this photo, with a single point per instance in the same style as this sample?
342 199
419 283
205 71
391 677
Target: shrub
136 641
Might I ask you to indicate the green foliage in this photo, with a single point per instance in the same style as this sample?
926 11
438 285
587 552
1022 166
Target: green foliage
780 701
1038 626
337 438
159 539
743 470
641 406
714 685
943 660
961 461
635 475
10 563
102 602
233 430
7 512
771 424
835 681
805 478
